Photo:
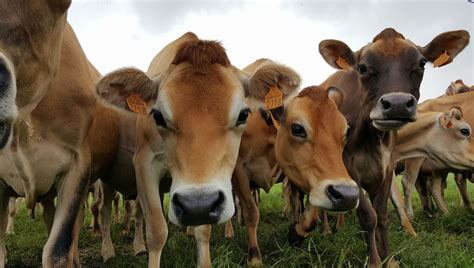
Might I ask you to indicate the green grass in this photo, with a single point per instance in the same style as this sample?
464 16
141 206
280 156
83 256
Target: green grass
442 241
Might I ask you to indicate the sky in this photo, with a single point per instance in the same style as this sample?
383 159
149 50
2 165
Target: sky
120 33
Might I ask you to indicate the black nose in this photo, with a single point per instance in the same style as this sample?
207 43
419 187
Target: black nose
343 197
198 208
5 77
398 106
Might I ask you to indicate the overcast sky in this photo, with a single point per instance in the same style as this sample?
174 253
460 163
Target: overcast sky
118 33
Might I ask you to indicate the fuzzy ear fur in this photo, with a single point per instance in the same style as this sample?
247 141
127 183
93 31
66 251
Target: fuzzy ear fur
445 119
116 86
268 74
334 51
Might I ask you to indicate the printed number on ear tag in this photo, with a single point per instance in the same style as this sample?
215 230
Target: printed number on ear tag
136 104
274 98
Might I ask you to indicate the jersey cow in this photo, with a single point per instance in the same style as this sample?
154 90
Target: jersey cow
380 83
48 154
193 101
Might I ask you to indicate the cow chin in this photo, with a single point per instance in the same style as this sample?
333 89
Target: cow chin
335 195
193 205
387 125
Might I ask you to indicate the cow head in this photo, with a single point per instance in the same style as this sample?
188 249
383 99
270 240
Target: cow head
198 107
309 149
30 38
390 70
457 87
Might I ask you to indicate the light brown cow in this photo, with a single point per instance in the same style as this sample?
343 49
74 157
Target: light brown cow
459 158
49 153
197 112
457 87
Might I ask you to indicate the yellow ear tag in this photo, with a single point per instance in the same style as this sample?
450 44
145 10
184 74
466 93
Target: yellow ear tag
441 60
342 63
136 104
274 99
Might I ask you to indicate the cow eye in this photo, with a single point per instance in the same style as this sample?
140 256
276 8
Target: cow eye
243 115
422 63
158 117
362 69
465 131
298 130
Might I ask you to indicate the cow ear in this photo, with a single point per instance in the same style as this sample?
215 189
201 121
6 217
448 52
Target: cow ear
445 120
271 75
336 96
337 54
129 89
59 6
444 47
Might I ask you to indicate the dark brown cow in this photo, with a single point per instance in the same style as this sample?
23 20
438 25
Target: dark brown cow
381 84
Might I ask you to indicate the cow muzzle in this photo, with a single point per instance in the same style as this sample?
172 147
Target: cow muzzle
198 207
393 111
335 195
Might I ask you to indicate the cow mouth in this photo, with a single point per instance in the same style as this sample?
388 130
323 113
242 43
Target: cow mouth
5 131
390 124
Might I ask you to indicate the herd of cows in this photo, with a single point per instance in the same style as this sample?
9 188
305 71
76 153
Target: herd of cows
220 132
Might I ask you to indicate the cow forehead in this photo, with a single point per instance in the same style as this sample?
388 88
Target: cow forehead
195 96
396 47
317 114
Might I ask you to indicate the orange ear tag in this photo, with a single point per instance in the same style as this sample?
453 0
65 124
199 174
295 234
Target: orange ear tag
449 125
274 99
441 60
136 104
342 63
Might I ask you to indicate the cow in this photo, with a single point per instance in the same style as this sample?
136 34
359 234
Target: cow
8 108
48 154
192 102
457 87
380 84
438 168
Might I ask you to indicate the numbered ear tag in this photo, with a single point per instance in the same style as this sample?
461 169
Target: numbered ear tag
441 60
274 98
342 63
136 104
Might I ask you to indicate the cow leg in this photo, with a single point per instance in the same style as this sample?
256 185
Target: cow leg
326 227
229 229
148 182
412 168
4 200
238 209
286 193
461 180
202 234
303 227
241 185
79 223
190 231
127 204
48 213
436 190
368 221
12 209
115 203
72 192
96 201
138 241
399 204
105 211
296 199
341 221
425 195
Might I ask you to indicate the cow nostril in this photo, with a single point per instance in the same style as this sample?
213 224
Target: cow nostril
411 103
218 203
385 104
335 194
177 203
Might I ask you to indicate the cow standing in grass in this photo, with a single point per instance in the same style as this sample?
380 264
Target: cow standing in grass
380 83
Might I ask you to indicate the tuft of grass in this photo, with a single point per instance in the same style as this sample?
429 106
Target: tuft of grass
444 241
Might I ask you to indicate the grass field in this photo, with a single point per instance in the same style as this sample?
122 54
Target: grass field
442 241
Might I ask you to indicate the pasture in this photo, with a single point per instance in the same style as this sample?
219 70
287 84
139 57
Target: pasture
442 241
